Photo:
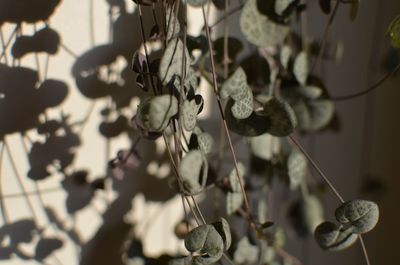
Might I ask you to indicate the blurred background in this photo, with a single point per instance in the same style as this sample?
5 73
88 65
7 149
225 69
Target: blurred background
54 127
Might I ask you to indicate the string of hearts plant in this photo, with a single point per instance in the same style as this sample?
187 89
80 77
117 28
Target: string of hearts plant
266 98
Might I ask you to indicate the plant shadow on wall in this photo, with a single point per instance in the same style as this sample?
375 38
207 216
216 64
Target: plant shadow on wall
266 97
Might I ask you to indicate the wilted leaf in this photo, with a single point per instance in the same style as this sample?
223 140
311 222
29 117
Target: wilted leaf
362 215
258 29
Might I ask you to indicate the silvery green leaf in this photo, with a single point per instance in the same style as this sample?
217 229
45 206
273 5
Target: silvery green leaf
314 115
394 32
194 169
161 110
237 88
285 54
282 118
311 92
196 3
264 146
196 238
233 177
189 114
173 26
301 68
333 238
313 212
281 5
206 142
321 113
297 166
234 201
361 214
172 60
224 231
206 241
256 124
258 29
246 253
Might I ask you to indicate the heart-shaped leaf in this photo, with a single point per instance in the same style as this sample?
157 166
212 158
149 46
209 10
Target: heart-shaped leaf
301 68
237 88
333 238
161 110
297 166
234 201
193 169
360 214
255 125
189 114
282 118
258 29
172 61
394 32
224 231
233 177
205 141
314 115
206 241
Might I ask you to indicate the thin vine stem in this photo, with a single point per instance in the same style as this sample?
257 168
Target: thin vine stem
211 52
328 182
315 166
368 90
